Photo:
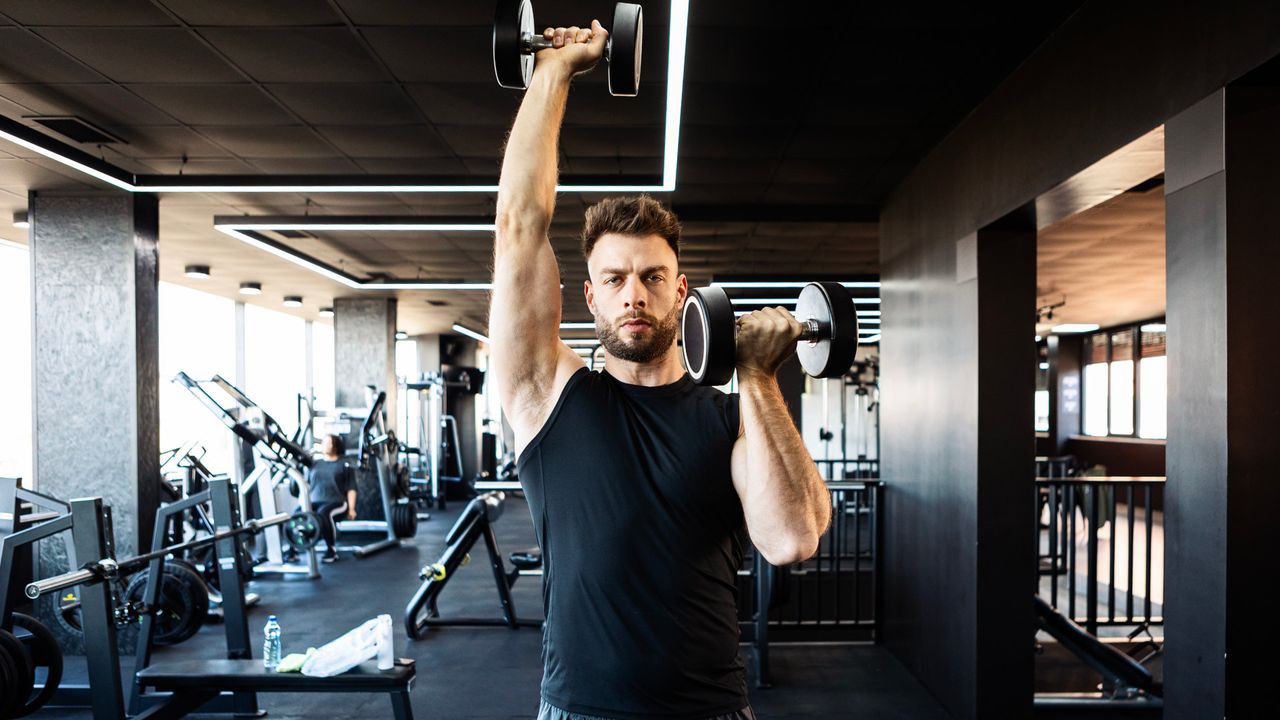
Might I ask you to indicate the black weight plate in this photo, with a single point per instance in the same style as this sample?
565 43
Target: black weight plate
626 39
302 531
511 65
404 520
831 305
45 653
707 331
23 675
10 681
191 577
177 615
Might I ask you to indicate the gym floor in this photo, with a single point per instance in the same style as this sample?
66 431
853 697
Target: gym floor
493 673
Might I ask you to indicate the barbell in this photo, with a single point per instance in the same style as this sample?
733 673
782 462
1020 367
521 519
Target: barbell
109 568
827 345
515 43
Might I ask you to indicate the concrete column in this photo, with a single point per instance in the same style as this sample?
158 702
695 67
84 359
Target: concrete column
1221 160
95 355
364 347
957 436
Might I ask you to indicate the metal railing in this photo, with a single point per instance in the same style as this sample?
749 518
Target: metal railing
831 597
1100 550
837 470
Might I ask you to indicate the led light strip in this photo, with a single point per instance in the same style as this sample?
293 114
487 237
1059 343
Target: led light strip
464 330
675 98
789 284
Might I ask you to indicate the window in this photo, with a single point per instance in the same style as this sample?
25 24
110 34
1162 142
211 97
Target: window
197 335
15 363
275 361
1042 387
322 379
1125 382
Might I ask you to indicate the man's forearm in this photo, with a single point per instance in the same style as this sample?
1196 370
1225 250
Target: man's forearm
527 186
790 504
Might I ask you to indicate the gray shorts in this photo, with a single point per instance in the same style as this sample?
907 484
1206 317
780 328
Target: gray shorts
551 712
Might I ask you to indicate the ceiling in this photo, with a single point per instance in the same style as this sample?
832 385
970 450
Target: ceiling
791 137
1106 263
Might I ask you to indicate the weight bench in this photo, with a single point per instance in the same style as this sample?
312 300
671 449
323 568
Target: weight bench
192 683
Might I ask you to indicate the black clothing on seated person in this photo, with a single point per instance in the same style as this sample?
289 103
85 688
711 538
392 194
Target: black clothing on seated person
642 535
329 481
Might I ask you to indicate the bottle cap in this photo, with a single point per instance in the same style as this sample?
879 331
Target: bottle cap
271 618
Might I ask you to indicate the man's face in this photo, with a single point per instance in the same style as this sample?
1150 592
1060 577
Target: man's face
328 446
635 293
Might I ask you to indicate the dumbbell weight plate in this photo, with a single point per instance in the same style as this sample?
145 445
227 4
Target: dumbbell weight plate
512 66
831 305
707 332
302 531
626 39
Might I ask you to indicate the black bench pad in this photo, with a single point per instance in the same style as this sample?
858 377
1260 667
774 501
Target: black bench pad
250 675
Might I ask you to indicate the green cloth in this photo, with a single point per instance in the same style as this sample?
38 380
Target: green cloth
293 663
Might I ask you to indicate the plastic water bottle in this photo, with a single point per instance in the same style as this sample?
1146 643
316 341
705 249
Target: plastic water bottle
271 646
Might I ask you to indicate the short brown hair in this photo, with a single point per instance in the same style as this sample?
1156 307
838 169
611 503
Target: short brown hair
634 215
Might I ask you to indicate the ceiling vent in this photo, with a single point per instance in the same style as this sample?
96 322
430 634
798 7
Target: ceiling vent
77 129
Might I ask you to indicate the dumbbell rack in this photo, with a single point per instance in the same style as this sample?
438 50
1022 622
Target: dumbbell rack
89 521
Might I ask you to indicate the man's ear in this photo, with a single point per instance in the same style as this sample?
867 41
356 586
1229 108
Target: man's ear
589 293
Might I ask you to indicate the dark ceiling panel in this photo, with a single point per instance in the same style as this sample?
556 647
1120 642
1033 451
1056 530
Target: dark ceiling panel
253 12
306 166
151 55
269 141
402 12
25 58
449 166
348 103
612 141
235 104
277 55
80 13
165 142
466 103
390 141
436 54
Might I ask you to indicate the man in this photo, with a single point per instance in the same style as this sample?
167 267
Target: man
642 485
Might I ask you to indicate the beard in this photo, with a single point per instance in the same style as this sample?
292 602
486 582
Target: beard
643 348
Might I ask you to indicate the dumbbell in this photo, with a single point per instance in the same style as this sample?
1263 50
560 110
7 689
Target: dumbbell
515 42
826 348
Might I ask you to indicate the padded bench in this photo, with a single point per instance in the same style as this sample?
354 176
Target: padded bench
195 682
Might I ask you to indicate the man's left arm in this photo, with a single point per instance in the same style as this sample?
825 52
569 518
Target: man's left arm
786 503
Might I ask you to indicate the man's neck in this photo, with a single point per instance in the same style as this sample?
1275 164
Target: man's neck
661 371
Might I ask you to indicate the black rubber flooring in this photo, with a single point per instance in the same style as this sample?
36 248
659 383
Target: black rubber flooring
493 673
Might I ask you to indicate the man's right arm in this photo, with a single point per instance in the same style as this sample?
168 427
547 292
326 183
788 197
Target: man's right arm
530 362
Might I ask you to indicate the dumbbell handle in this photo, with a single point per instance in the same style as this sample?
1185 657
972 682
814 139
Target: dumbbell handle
812 331
531 43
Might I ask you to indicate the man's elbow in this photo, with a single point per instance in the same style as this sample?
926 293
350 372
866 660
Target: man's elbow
789 551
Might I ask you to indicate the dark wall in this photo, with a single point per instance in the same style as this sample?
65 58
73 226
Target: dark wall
1110 74
1121 456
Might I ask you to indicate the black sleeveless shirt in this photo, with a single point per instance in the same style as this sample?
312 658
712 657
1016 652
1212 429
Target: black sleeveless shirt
642 535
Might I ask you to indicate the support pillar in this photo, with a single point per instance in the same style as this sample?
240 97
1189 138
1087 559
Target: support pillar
1064 390
364 346
958 448
95 356
1221 160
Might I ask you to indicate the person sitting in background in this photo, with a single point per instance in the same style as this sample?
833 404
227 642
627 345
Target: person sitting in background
333 492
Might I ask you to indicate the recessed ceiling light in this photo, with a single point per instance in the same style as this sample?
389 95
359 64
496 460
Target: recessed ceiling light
1044 366
402 335
469 333
326 312
250 288
196 271
1074 328
293 301
21 219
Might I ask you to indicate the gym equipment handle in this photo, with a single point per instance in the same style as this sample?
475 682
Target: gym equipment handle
107 568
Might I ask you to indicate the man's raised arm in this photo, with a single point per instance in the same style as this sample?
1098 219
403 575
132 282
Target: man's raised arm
524 314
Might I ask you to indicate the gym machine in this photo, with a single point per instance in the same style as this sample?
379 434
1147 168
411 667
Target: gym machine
284 460
90 524
476 522
378 450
